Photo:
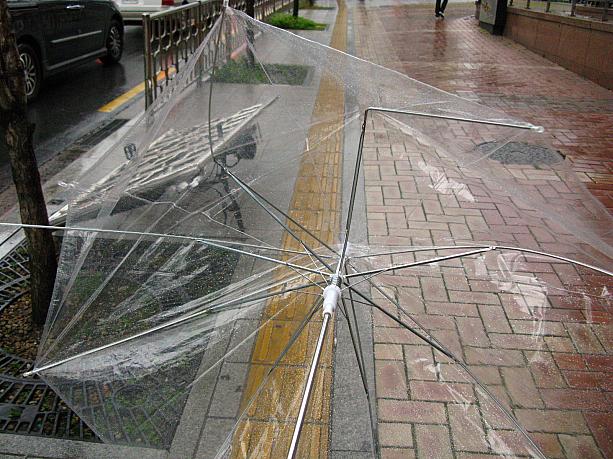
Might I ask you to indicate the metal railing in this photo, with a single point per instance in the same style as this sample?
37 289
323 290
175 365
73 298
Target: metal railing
172 36
595 9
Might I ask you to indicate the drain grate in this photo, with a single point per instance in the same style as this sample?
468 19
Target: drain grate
520 153
29 406
14 275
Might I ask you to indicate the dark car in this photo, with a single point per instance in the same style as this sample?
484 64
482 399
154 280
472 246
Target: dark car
53 35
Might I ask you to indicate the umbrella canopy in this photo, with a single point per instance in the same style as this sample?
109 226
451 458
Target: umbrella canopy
282 209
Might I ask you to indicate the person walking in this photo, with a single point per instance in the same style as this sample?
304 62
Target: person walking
440 9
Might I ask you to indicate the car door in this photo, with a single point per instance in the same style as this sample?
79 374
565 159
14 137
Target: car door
96 20
61 27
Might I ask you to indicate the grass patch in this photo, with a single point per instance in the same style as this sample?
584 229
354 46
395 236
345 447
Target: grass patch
287 21
240 71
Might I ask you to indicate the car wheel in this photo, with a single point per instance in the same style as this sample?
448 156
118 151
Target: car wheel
114 44
32 71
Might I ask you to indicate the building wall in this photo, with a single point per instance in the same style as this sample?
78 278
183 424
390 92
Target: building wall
580 45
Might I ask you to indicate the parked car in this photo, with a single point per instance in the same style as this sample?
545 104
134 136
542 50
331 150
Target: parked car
53 35
132 10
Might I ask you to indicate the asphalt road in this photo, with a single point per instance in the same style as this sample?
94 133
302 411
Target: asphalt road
68 105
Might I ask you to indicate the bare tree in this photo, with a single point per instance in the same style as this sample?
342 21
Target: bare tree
16 132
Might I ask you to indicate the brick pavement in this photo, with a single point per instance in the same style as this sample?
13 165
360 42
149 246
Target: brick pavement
536 333
456 56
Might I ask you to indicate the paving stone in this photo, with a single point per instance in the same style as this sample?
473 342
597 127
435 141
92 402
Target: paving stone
390 379
580 446
441 391
411 411
433 442
388 352
521 388
420 363
556 421
472 332
584 338
395 434
575 399
467 428
601 425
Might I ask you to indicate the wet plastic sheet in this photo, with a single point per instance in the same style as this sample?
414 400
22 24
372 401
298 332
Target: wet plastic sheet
473 268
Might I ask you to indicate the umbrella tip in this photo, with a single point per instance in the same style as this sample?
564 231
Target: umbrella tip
29 373
539 129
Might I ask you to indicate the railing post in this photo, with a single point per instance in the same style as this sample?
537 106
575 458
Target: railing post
527 4
573 7
548 6
148 60
605 10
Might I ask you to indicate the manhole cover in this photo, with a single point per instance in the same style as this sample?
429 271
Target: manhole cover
520 153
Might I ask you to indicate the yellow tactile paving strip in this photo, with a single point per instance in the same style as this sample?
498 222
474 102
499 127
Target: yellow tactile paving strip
267 429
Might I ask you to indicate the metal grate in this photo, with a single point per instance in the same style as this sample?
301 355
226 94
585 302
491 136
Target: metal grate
520 153
172 36
28 406
14 275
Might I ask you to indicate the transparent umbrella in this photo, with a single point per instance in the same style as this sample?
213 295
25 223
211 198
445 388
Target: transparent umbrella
298 253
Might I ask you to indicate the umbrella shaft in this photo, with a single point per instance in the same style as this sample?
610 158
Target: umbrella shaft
307 389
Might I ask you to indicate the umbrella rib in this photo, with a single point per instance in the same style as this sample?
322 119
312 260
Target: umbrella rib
489 247
354 188
357 328
164 326
298 224
210 242
360 152
457 361
419 249
306 395
557 257
249 191
358 354
247 338
194 238
274 365
454 118
374 272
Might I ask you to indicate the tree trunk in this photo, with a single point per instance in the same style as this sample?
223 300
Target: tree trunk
250 11
250 8
295 8
17 134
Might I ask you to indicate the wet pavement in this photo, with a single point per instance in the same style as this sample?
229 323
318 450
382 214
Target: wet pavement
566 407
67 107
551 378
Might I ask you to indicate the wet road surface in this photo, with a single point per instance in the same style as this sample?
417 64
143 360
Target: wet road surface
67 107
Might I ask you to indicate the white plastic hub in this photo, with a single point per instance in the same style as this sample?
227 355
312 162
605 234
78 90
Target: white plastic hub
331 295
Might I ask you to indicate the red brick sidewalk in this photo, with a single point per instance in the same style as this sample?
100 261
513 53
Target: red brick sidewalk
456 56
536 332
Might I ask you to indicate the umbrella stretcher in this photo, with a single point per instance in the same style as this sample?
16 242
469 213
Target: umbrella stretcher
228 235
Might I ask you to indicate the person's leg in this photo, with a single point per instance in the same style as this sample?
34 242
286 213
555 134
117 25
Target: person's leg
443 6
438 7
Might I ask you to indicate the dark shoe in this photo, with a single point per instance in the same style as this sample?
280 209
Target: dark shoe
441 15
437 14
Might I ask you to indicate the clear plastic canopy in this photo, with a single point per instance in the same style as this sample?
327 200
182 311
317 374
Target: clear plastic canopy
190 283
